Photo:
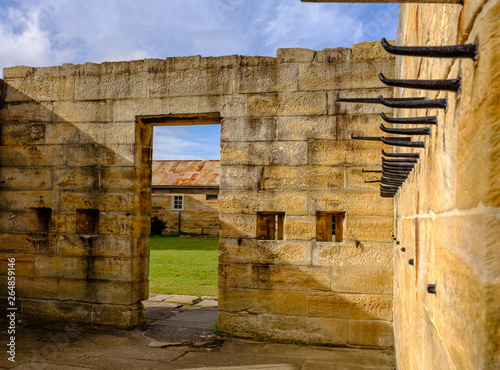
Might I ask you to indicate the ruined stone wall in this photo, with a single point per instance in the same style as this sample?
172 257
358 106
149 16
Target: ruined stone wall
76 189
292 154
447 214
200 215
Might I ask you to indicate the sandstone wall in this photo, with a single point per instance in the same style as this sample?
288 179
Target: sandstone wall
448 215
76 189
200 216
292 154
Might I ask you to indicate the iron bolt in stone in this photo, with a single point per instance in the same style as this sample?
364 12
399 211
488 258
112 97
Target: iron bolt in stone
431 288
403 249
411 261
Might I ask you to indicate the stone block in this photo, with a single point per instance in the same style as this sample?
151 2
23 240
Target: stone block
360 125
189 62
23 264
124 224
246 61
18 72
347 254
38 288
233 106
238 275
312 330
104 292
295 277
192 82
306 128
340 152
343 108
300 227
333 55
118 315
58 311
292 252
27 112
39 89
225 61
370 50
354 203
33 155
350 306
368 229
183 299
348 75
90 133
22 134
355 178
25 178
248 129
61 267
241 177
24 199
267 78
287 104
279 302
239 324
104 200
362 280
111 86
76 177
293 153
302 177
295 55
126 178
100 155
238 226
63 222
124 246
83 111
371 333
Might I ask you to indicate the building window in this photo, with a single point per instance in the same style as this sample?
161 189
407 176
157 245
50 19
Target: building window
330 226
270 225
178 202
87 221
212 197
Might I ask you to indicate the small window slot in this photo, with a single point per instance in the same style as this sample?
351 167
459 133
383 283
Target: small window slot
87 221
178 202
270 225
40 220
330 226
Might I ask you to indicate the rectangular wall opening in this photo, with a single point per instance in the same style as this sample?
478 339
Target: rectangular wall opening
330 226
40 220
87 221
270 225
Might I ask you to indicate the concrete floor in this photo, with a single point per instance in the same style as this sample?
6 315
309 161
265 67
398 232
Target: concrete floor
176 337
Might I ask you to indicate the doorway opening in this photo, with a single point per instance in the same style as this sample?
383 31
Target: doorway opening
182 155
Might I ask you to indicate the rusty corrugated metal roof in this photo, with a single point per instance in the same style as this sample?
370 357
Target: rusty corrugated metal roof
187 173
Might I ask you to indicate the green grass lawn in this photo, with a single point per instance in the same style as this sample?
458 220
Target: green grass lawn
183 266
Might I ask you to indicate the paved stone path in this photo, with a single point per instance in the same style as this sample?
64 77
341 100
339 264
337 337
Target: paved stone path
179 335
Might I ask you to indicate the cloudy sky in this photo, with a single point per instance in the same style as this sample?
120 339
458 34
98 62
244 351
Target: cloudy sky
51 32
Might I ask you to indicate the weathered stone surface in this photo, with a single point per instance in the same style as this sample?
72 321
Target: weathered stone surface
295 277
350 306
39 89
267 78
241 177
342 108
287 104
371 333
302 177
350 75
27 178
238 226
248 129
370 50
348 254
333 55
279 302
355 203
300 227
249 202
368 280
295 55
368 229
294 252
26 112
306 128
328 152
